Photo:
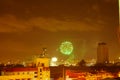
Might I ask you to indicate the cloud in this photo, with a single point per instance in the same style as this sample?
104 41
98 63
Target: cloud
58 25
10 23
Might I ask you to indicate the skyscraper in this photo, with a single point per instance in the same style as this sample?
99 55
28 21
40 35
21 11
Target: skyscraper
102 53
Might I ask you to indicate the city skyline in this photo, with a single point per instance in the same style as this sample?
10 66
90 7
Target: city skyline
28 26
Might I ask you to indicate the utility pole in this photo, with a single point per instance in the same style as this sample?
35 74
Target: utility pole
63 72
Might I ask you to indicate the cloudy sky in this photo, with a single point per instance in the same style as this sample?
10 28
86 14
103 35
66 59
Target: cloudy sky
26 26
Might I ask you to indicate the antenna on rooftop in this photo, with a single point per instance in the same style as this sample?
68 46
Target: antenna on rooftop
44 50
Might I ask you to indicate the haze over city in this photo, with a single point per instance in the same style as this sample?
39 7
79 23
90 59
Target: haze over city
27 26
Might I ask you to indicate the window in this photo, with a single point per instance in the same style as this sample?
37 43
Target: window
40 70
38 63
35 76
18 73
35 72
28 79
42 64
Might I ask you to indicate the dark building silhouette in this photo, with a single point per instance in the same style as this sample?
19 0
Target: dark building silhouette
102 53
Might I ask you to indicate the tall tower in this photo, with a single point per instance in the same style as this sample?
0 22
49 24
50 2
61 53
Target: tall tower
102 53
42 63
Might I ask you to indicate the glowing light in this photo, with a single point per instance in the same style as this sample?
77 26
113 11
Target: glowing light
66 48
54 59
119 74
118 57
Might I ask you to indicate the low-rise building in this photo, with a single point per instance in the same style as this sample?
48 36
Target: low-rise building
40 71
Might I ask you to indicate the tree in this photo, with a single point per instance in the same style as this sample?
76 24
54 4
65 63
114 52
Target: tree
82 63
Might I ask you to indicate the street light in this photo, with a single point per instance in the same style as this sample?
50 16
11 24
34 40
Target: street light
53 61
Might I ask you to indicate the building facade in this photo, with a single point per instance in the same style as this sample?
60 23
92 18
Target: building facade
39 71
102 53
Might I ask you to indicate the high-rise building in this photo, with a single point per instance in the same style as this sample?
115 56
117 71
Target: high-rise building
102 53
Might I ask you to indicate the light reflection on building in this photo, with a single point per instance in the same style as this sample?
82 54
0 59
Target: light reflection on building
71 75
119 74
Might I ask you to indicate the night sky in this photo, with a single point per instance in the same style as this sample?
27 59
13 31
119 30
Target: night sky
27 26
